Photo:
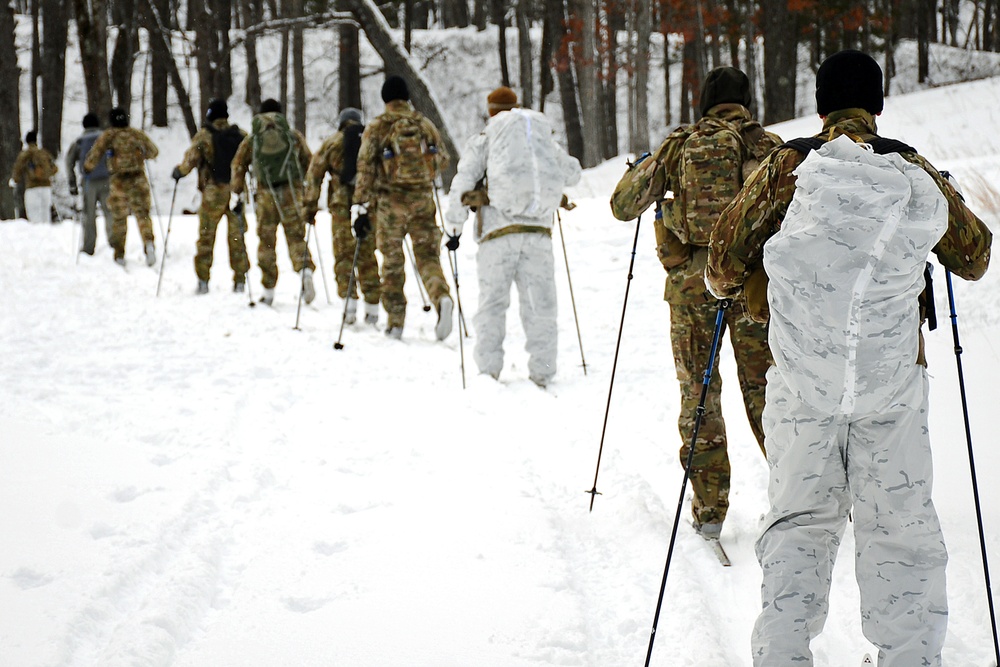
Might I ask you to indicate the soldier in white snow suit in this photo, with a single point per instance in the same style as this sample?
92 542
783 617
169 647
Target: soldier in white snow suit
838 228
513 173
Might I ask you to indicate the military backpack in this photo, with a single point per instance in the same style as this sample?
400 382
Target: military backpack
275 151
40 167
224 146
407 157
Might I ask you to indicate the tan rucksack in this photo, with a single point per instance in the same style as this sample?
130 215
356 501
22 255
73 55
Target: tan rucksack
407 157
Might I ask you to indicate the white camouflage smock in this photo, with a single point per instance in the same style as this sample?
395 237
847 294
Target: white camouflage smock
527 171
846 411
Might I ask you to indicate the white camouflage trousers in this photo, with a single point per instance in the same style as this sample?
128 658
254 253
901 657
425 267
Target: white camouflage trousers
821 467
527 261
38 204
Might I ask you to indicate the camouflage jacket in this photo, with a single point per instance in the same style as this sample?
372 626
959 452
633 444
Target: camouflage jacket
657 176
736 251
117 142
737 246
370 174
201 153
34 167
244 158
328 159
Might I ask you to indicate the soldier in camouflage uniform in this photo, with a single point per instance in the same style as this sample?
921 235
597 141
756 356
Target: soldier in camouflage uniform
724 100
278 204
843 441
127 150
33 170
330 158
215 195
402 209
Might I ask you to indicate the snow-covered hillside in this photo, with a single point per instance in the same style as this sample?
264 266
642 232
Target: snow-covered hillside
190 482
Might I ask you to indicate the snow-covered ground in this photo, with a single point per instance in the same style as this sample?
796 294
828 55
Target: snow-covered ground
187 481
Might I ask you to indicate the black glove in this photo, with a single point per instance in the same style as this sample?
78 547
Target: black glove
238 209
452 243
362 225
176 174
73 191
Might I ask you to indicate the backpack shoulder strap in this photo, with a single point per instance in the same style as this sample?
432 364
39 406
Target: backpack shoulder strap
803 144
883 145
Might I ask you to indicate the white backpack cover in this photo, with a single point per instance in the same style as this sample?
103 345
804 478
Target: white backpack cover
845 271
525 166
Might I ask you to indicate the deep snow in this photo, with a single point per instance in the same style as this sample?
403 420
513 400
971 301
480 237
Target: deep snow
190 482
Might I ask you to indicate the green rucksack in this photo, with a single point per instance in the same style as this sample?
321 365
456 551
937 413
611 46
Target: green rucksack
275 150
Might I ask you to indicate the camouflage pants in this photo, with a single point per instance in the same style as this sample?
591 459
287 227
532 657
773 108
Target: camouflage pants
691 331
397 214
343 257
215 205
129 192
280 207
878 468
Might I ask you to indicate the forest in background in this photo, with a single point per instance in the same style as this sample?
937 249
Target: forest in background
581 53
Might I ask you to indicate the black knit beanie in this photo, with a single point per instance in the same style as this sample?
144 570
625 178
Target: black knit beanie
118 117
31 137
722 85
270 105
91 120
216 109
395 88
848 80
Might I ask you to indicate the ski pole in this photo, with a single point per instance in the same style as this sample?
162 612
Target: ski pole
152 194
302 287
572 299
594 492
972 462
699 415
322 269
244 227
416 271
166 238
453 257
350 290
453 263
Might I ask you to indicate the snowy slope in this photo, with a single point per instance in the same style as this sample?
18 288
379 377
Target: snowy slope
191 482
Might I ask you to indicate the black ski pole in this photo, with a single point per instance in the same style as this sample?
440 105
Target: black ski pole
416 272
594 492
244 228
350 290
453 256
166 237
572 299
972 462
302 286
699 415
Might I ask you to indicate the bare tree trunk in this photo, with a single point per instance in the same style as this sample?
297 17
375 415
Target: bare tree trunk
751 58
224 68
299 70
524 54
91 28
56 24
497 11
547 84
160 32
609 97
10 109
396 62
479 13
159 71
350 63
253 14
667 113
36 64
585 61
454 14
780 60
123 58
925 17
639 140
